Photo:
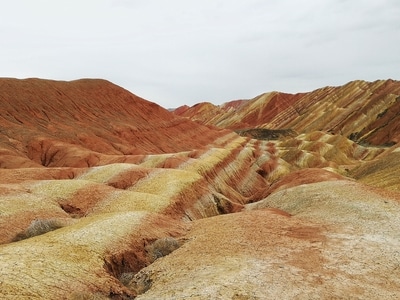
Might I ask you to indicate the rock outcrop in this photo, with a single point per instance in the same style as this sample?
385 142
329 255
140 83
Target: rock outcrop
104 195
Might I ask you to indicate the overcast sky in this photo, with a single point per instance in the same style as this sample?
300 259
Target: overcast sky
176 52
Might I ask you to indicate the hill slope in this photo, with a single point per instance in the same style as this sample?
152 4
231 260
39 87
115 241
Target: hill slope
85 123
362 111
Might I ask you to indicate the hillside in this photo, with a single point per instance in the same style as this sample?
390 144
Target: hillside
365 112
105 195
86 123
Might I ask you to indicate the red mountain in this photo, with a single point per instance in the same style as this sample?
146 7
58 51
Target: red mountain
85 123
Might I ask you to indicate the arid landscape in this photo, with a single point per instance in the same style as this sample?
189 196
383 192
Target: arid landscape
105 195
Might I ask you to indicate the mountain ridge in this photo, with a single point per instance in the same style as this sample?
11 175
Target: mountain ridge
331 109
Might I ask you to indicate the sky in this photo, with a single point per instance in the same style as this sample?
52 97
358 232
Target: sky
180 52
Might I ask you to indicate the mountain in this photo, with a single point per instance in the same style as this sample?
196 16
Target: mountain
366 112
105 195
86 123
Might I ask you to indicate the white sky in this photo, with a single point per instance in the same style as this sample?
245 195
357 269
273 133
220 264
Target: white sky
176 52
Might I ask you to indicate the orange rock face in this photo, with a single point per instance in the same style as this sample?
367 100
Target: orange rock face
104 195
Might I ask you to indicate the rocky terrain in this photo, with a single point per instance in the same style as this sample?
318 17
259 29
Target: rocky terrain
105 195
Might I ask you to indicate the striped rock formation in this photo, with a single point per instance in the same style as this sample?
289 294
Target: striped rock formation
362 111
104 195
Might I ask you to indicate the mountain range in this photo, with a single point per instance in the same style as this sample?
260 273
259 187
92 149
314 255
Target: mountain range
106 195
